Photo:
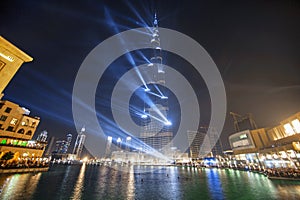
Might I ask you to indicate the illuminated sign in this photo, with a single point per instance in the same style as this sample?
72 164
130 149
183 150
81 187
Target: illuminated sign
296 125
243 136
241 143
288 129
9 58
241 140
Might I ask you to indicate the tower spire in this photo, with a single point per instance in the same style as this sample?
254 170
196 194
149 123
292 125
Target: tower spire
155 22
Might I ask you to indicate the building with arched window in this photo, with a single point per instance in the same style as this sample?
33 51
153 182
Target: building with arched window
17 127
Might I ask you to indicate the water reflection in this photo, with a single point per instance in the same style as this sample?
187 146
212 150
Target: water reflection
174 183
17 187
130 186
79 187
214 184
290 191
64 184
101 182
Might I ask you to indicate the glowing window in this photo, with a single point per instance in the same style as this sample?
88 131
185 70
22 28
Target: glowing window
296 125
13 121
24 143
288 129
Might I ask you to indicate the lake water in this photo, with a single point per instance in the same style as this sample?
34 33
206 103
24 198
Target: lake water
100 182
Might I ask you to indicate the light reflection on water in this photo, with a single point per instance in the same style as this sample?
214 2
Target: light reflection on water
130 185
20 186
79 187
214 184
99 182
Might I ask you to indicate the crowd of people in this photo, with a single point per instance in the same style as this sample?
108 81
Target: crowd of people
23 163
283 172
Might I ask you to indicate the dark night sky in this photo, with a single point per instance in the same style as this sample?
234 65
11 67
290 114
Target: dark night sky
255 45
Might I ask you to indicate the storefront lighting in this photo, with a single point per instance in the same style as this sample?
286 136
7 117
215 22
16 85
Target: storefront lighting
288 129
296 125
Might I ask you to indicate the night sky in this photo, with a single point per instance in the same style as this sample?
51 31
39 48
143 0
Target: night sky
255 45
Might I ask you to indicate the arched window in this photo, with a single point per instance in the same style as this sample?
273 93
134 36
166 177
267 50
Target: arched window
21 131
33 124
29 133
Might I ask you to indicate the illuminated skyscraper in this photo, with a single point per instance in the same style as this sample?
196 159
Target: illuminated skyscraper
108 146
156 128
42 136
62 146
79 143
68 143
128 143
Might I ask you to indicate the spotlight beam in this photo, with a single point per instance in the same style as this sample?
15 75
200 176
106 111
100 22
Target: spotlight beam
154 94
156 87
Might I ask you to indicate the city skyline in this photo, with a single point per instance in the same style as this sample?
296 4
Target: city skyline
254 49
149 99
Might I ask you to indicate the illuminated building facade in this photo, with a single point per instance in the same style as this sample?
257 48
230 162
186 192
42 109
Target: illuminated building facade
11 59
156 133
270 147
42 136
17 129
108 146
79 143
16 126
62 146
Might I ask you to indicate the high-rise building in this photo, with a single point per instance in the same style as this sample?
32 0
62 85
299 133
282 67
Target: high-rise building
119 144
195 139
128 143
215 142
156 128
62 146
59 145
42 137
204 142
68 142
50 146
108 146
79 143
